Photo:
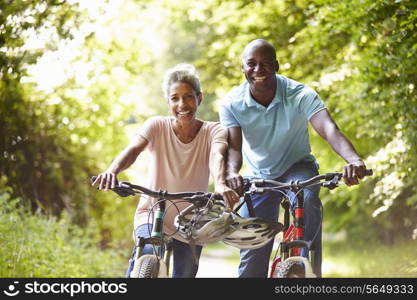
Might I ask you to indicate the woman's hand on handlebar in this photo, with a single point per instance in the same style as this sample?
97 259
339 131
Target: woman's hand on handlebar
235 182
230 197
106 180
354 171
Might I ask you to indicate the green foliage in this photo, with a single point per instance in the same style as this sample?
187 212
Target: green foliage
54 138
23 122
41 246
359 56
54 135
369 87
347 259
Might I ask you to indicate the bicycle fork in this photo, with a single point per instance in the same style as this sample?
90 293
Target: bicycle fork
293 239
161 247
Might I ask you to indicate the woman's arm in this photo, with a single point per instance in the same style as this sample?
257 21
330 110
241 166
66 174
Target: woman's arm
124 160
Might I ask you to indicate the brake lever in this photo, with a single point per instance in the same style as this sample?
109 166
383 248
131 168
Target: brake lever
198 200
258 190
123 190
331 184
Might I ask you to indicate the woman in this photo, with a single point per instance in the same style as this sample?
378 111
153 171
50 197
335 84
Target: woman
184 151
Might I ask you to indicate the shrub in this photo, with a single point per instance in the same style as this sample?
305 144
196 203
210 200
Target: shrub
35 245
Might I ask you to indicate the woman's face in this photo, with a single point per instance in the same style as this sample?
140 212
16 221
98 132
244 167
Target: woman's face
183 101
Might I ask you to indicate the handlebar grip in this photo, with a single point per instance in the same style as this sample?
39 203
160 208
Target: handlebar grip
369 172
246 181
217 196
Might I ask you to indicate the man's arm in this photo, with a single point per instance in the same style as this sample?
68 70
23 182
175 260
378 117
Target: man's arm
325 126
217 166
124 160
234 158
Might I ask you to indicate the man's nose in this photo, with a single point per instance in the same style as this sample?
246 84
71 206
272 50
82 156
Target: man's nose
258 68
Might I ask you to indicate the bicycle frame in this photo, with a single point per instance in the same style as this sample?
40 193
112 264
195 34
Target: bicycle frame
293 233
162 245
293 237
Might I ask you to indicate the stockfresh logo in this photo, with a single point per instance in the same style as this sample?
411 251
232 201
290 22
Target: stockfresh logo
12 290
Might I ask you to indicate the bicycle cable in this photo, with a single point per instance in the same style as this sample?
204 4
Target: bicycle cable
321 211
150 215
178 210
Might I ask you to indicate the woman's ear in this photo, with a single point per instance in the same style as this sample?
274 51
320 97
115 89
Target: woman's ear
199 98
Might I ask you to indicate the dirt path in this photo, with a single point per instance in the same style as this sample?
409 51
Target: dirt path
217 263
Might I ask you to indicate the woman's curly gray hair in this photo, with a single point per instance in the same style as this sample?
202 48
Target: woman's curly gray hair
181 73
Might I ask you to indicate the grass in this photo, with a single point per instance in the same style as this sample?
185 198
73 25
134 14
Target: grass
342 259
34 245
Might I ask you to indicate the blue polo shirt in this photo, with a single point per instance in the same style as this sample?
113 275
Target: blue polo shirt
274 137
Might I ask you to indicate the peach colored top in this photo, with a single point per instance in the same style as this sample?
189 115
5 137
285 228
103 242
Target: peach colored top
175 166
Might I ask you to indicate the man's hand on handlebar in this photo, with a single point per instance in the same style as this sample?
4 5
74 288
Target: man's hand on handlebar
106 180
354 171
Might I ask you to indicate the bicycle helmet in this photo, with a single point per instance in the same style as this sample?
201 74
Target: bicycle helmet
251 233
202 225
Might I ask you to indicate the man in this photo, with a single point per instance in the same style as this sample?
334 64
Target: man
267 119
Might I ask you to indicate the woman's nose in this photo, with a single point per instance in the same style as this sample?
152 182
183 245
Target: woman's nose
182 102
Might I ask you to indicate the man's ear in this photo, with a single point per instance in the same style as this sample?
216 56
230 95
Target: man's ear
277 66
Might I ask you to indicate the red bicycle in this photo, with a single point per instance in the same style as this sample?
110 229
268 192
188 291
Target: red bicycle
290 263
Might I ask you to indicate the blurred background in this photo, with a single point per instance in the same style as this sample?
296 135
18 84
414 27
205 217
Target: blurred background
78 79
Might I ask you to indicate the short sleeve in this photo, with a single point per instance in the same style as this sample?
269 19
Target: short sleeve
219 134
149 130
226 116
310 103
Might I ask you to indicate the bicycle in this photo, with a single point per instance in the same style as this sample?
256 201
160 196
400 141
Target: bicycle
205 221
157 265
290 263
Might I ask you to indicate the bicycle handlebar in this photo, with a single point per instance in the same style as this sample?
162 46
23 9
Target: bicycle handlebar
331 181
124 189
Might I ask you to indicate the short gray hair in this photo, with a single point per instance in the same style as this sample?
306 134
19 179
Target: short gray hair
181 73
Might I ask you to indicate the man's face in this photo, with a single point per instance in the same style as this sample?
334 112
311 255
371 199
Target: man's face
259 65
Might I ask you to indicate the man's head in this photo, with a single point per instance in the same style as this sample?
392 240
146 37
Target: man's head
259 64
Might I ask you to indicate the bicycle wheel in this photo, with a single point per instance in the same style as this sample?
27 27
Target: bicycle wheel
290 269
149 266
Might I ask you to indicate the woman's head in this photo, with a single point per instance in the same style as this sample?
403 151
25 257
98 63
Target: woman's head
182 89
185 73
